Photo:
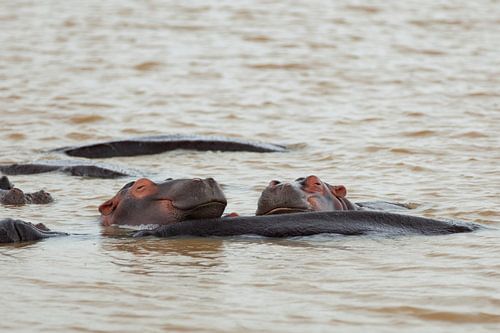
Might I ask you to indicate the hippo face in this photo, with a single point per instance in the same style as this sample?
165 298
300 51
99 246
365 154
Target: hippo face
174 200
303 194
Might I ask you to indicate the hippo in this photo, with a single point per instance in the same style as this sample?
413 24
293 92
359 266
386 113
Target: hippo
158 144
146 202
348 223
73 168
10 195
12 231
311 194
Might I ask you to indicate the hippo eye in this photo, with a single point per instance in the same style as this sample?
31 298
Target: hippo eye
300 179
128 185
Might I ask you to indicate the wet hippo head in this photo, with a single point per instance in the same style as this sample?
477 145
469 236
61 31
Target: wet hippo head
303 194
174 200
14 196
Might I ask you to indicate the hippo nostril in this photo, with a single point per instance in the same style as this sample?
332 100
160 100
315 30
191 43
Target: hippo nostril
274 182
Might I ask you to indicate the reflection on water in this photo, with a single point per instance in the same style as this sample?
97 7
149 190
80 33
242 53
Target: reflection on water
398 101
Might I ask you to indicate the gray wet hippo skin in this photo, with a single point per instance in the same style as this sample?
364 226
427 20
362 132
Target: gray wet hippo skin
10 195
73 168
12 231
162 143
311 194
349 223
146 202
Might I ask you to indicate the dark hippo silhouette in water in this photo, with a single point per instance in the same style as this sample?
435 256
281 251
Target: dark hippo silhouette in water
10 195
5 183
12 231
146 202
162 143
311 194
73 168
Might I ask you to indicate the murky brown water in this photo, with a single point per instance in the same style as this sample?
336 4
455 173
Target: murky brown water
397 100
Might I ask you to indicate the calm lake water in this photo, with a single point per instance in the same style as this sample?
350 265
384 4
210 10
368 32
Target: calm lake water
398 101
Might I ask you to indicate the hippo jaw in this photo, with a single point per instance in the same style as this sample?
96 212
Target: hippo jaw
286 210
210 209
282 198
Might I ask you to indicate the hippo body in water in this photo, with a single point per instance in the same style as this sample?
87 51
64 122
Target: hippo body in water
162 143
12 231
312 194
10 195
348 223
312 223
73 168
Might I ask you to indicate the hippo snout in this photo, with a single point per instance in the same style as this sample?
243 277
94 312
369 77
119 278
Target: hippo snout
14 196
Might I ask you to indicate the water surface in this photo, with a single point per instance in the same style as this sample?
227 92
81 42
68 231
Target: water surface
399 101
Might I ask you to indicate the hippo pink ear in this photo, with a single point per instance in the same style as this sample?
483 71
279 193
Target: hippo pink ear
338 190
108 207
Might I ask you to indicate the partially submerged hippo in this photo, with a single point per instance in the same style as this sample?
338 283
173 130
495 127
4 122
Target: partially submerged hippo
73 168
12 231
10 195
311 194
162 143
146 202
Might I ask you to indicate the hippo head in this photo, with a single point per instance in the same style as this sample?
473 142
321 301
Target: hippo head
174 200
301 195
13 196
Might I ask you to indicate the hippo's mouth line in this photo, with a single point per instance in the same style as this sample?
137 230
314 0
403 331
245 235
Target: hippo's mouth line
206 204
285 210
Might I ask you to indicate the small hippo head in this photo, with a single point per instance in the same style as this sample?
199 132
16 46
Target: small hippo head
301 195
13 196
174 200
